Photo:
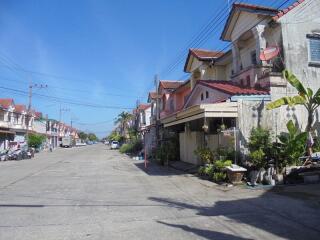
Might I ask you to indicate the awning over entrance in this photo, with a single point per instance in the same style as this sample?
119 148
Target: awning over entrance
213 110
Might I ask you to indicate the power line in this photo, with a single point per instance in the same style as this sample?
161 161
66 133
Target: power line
65 100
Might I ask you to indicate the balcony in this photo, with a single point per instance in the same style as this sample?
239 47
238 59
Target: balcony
265 76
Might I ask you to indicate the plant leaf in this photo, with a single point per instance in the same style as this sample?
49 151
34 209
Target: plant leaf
291 128
277 103
294 81
310 92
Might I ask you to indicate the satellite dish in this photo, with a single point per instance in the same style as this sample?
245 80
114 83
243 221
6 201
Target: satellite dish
269 53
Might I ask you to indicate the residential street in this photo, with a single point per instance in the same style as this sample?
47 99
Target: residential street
95 193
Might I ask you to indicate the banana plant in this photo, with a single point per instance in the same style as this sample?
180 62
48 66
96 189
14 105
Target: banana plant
305 97
292 144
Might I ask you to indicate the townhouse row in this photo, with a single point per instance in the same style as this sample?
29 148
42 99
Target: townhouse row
226 93
16 122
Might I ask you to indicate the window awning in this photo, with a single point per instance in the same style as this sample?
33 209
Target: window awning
214 110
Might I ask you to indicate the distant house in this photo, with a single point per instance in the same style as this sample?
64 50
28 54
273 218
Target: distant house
6 115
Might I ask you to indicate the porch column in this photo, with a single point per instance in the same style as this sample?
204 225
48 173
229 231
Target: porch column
235 56
261 44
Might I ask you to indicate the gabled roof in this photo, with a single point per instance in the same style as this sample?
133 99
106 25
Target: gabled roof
288 9
185 85
20 108
170 84
6 102
153 95
143 106
202 55
237 8
232 88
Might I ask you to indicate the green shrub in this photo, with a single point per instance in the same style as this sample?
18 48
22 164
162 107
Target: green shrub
209 170
220 165
201 171
219 176
205 155
257 158
35 140
131 148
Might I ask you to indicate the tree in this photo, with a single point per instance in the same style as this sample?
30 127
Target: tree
291 145
305 97
123 120
92 137
35 140
83 136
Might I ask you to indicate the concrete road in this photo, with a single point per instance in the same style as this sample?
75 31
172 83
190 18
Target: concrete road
95 193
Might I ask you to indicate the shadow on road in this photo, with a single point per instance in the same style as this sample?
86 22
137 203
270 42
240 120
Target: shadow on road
280 216
209 234
156 170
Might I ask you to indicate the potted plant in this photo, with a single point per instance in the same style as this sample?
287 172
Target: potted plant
260 148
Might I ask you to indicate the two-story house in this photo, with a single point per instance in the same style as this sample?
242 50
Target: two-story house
232 88
6 114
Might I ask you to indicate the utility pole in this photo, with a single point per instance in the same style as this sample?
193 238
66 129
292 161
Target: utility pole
29 114
61 110
156 83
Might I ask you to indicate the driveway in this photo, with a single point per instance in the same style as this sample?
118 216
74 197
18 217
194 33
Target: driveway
95 193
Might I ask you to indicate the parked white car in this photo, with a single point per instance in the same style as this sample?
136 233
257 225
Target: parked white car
115 145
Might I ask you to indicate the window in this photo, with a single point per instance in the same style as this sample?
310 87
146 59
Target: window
207 94
314 49
15 118
1 115
254 57
248 81
171 105
201 96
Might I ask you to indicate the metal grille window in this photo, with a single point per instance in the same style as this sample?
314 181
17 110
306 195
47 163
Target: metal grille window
314 48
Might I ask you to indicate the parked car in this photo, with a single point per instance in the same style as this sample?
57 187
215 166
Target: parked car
4 155
115 145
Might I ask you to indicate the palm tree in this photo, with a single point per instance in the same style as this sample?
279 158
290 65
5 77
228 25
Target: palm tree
123 120
305 97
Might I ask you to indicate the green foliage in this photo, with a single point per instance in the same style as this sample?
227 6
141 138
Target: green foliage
226 152
259 146
115 136
92 137
219 176
35 140
131 148
205 155
305 97
133 133
259 139
258 158
209 170
168 151
201 170
220 165
216 170
83 136
292 145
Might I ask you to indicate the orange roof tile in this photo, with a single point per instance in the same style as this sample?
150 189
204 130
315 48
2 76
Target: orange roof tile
232 88
170 84
19 108
203 54
6 102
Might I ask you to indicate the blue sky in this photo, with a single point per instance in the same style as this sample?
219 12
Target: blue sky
97 52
